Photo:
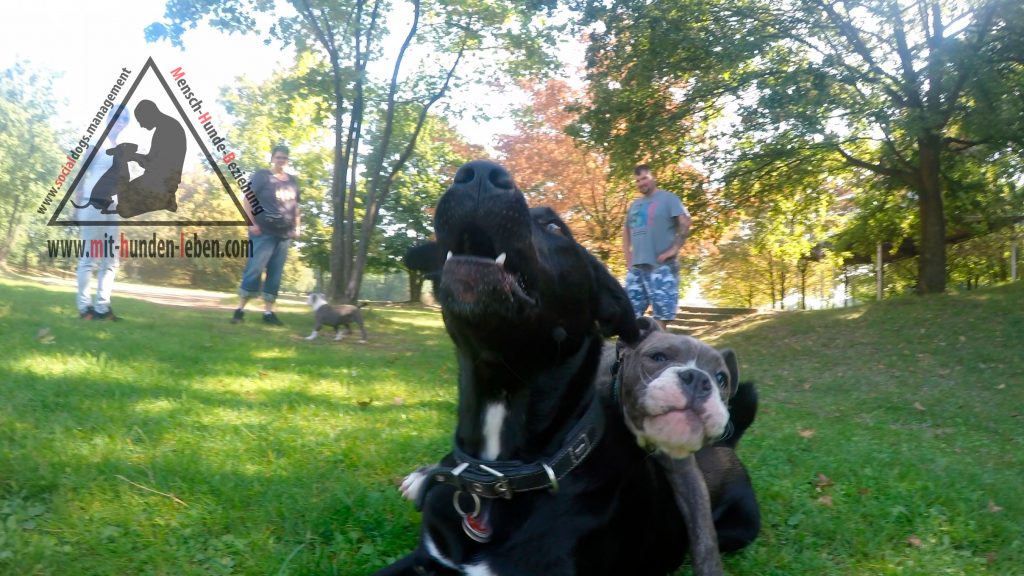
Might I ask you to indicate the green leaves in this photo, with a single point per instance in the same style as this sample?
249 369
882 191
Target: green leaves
881 94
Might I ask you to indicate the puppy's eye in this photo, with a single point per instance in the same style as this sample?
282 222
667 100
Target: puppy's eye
553 228
659 357
722 378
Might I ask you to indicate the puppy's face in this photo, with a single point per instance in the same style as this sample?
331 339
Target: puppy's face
315 300
674 391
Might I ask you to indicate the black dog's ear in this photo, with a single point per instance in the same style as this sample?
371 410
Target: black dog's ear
734 369
424 257
614 311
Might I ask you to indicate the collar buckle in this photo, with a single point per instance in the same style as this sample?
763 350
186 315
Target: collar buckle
501 485
580 449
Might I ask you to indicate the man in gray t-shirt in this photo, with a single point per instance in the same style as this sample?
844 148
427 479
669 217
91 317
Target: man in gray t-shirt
656 227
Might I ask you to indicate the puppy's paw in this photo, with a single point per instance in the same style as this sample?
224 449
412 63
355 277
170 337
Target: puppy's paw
310 337
413 483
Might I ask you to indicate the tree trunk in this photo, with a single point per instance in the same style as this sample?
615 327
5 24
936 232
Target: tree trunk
415 287
802 269
338 263
932 263
782 285
12 228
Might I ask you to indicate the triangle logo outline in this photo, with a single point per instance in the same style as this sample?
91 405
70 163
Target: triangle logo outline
151 66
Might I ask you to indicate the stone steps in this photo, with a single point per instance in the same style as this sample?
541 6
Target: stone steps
694 320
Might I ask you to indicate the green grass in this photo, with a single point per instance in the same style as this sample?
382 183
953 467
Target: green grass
913 411
889 439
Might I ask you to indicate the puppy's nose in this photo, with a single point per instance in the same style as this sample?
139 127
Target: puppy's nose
695 383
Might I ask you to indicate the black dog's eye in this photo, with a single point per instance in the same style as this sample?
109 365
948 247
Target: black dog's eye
659 357
722 378
554 228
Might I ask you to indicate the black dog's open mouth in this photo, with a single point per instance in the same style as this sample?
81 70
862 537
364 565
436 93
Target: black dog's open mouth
477 278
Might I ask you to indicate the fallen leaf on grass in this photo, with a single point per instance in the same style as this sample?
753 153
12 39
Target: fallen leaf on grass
364 403
1001 386
44 336
914 541
807 433
917 406
398 401
822 482
993 508
825 501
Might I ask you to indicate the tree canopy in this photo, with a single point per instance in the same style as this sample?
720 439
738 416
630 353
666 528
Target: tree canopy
916 99
439 41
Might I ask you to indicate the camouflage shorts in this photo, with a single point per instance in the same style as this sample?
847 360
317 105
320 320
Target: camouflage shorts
654 286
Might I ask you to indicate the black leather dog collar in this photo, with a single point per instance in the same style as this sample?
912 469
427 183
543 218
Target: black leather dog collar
503 478
617 380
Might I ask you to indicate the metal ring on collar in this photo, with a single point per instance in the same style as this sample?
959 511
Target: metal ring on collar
551 477
458 507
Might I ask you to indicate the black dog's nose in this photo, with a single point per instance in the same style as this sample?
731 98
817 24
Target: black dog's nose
482 171
695 383
482 213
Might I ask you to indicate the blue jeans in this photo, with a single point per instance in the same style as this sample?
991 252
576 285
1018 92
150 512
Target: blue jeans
268 253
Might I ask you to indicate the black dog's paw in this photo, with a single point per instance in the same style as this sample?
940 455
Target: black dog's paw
412 485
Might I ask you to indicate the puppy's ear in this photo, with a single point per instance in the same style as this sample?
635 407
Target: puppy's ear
734 369
647 326
612 307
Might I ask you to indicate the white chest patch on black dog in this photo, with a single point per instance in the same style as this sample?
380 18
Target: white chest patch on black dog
494 419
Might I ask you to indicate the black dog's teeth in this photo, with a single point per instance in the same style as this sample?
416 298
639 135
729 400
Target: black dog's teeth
499 259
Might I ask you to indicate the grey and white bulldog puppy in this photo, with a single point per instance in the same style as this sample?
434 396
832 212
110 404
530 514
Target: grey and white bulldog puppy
334 316
674 390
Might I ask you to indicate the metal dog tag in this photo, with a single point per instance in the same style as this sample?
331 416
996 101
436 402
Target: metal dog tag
476 529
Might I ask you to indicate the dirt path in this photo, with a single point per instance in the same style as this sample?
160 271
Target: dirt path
184 297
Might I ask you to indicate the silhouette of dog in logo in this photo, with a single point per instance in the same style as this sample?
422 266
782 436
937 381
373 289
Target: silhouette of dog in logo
115 179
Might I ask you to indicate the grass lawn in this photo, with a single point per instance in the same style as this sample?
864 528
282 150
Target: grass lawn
889 441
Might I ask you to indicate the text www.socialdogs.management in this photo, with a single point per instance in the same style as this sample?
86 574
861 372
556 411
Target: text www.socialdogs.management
152 247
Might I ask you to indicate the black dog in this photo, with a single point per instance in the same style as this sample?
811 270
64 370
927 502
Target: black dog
544 477
112 181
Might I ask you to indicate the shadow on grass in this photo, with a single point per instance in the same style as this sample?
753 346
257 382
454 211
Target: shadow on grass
270 444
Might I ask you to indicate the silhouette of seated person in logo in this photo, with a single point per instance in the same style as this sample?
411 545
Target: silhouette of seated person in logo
155 189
